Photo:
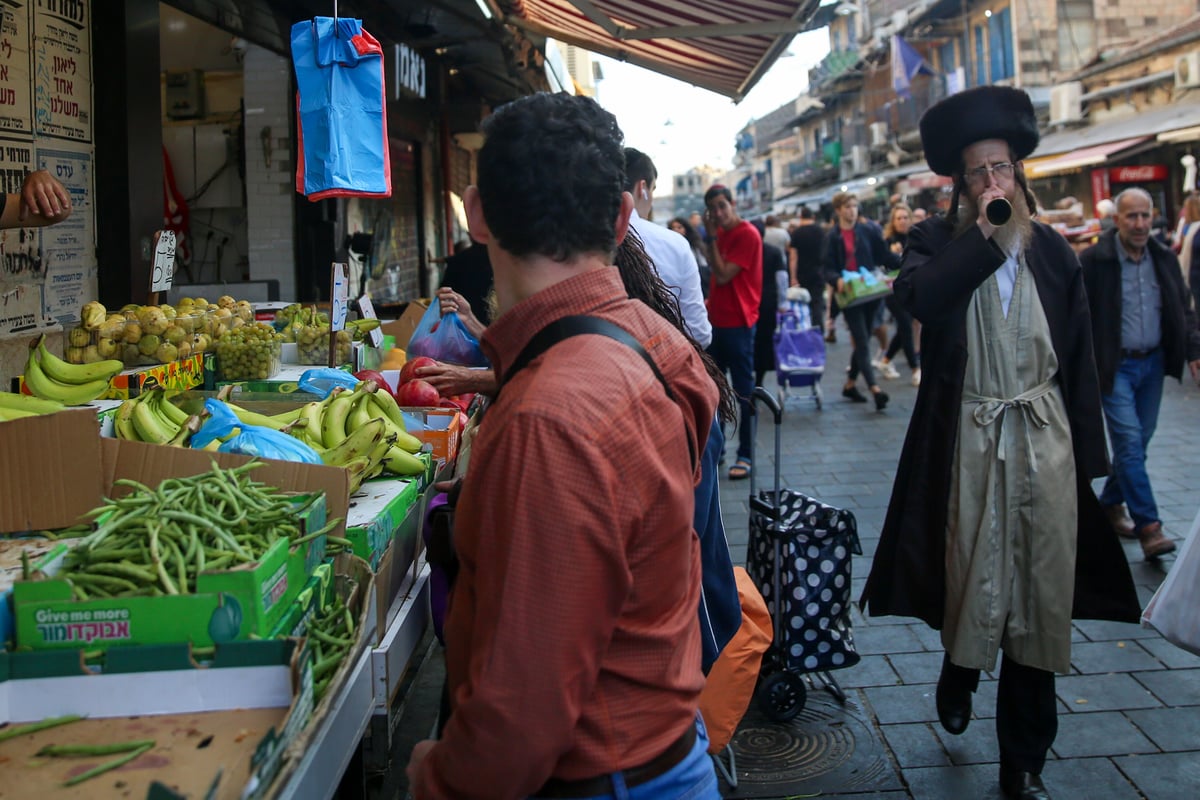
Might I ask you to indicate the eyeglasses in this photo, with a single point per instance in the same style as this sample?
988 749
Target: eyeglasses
1004 170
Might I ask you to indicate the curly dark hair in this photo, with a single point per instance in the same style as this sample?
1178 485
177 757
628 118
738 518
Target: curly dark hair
642 282
549 176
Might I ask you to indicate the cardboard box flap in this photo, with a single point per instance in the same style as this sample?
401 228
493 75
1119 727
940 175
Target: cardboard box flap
402 329
48 470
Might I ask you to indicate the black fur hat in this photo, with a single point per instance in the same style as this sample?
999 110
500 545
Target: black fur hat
985 112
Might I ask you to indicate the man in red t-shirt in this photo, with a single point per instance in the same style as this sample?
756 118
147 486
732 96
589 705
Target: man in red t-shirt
735 258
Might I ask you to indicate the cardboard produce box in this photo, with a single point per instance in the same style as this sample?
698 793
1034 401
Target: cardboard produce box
376 517
245 708
226 605
50 470
401 330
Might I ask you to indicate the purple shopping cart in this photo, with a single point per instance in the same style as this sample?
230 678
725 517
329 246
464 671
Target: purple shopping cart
799 353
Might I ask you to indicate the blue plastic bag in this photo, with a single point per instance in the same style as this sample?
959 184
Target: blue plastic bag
253 440
340 110
445 338
323 380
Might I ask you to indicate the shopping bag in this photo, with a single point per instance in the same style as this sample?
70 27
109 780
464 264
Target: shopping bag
816 544
1174 611
730 685
799 347
340 110
443 337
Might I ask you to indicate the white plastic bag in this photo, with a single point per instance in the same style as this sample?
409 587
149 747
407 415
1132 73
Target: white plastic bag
1174 611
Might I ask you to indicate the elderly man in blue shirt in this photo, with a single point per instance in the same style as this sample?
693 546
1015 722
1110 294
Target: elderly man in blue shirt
1133 279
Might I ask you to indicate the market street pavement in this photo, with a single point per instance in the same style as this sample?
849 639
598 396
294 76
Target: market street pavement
1129 712
1129 721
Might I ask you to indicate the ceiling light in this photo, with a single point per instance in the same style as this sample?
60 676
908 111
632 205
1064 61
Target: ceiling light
484 8
988 13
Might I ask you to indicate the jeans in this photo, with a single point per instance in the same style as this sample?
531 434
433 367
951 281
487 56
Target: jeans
1131 410
693 778
859 320
733 350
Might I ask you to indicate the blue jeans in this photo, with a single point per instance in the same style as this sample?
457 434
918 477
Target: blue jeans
693 778
733 350
1131 410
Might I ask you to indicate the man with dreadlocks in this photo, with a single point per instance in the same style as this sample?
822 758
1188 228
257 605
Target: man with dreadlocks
993 534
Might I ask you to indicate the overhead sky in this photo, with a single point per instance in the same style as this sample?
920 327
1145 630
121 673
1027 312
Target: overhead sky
681 126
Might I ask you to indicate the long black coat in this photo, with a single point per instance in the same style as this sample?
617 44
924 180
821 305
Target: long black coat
937 279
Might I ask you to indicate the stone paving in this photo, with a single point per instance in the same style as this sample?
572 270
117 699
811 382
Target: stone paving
1129 721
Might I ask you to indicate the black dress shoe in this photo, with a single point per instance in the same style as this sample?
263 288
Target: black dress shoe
881 400
953 708
1017 785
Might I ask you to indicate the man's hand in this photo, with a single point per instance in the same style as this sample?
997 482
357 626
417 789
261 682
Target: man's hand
420 750
991 193
450 300
452 379
44 196
1194 366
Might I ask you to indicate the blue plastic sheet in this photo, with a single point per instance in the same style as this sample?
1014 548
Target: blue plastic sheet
252 440
341 110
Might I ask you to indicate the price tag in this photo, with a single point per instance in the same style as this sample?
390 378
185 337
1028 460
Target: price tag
339 298
163 273
367 310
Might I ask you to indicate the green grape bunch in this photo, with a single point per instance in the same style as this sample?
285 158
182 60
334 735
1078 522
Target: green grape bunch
312 345
250 352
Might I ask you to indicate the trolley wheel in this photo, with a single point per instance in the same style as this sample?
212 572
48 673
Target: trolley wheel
781 696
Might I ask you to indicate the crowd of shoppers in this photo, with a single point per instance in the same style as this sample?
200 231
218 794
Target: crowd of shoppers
1030 354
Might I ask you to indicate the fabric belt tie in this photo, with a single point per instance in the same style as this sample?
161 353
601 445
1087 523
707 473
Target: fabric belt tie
603 784
991 409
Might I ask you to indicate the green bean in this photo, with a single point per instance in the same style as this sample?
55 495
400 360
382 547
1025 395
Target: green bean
327 665
107 583
329 526
180 566
74 750
156 559
123 570
105 767
328 639
34 727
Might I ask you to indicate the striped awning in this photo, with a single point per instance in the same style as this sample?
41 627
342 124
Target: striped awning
722 45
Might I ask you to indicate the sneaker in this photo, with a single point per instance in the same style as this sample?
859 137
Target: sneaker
852 393
916 377
888 371
1154 542
881 400
877 362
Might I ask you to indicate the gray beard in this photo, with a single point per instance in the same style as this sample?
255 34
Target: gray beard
1017 233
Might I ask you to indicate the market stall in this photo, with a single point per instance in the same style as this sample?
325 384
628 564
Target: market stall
182 616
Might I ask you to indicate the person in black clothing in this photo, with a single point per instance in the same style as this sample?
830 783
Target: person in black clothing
895 235
470 274
805 263
850 246
774 268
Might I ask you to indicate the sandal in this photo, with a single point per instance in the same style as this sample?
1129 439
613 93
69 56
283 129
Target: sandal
740 470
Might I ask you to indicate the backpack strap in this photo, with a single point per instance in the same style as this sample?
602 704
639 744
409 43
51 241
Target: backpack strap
575 325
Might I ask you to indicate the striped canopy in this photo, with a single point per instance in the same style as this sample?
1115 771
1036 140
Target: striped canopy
722 45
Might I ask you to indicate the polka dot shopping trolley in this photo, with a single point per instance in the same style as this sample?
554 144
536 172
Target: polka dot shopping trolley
799 556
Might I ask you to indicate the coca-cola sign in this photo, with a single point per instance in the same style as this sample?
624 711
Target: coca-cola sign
1139 174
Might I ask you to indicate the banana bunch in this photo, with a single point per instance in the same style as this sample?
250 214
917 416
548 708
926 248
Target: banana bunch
362 431
51 378
151 417
16 406
359 328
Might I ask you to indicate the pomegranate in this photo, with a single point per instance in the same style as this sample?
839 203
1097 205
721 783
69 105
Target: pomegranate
417 392
409 371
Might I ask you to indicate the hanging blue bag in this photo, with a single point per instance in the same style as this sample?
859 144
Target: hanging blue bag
342 123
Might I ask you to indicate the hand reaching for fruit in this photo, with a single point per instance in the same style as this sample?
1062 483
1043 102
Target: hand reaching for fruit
452 379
